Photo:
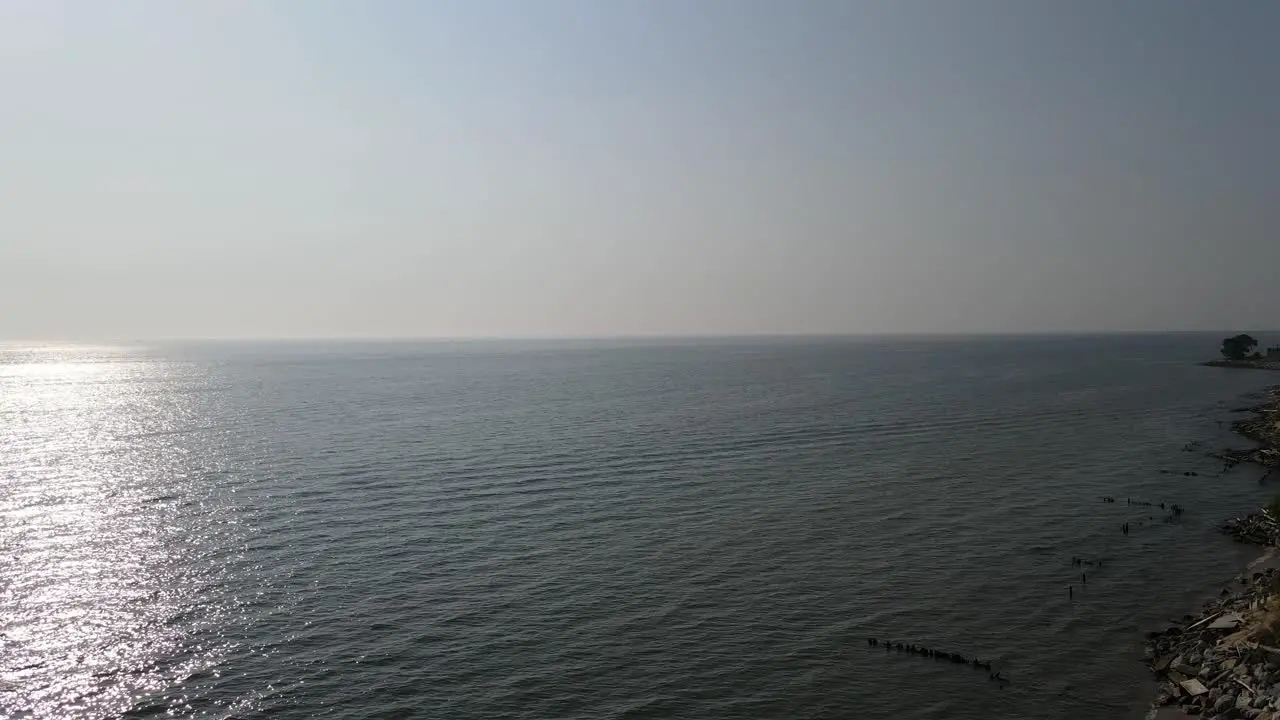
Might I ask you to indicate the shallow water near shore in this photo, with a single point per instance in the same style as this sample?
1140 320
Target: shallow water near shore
652 529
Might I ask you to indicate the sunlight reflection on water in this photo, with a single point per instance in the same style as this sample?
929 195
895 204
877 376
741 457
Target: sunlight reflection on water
96 533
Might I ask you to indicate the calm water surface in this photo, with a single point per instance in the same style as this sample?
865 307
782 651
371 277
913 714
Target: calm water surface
627 530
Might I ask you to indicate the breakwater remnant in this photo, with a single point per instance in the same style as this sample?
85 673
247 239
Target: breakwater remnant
954 658
1174 507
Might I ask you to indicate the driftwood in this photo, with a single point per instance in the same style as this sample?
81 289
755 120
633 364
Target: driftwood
1219 676
1198 623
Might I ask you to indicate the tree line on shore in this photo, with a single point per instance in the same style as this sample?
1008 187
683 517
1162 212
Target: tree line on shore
1239 347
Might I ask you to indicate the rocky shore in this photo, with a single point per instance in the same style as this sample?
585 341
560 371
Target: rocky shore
1225 662
1264 427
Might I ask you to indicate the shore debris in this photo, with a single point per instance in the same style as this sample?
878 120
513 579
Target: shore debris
1257 529
1193 687
1208 665
1226 622
1225 663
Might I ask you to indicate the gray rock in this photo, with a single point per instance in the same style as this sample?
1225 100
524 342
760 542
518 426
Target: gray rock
1244 702
1252 713
1194 659
1224 701
1242 670
1260 673
1260 701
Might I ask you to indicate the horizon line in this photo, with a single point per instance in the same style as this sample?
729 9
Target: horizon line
606 338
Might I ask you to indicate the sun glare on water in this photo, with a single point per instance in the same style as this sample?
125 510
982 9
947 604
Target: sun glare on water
92 533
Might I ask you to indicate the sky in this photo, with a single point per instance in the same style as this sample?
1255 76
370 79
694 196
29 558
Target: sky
571 168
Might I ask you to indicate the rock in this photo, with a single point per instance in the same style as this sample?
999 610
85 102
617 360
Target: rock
1260 701
1227 664
1195 658
1187 670
1241 670
1252 713
1224 701
1244 702
1260 673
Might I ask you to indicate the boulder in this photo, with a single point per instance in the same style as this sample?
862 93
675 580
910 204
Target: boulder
1188 670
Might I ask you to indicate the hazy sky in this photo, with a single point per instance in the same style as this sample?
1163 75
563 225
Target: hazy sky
615 167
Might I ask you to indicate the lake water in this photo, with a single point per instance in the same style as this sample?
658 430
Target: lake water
680 529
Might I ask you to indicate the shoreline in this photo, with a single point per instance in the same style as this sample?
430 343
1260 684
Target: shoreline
1263 364
1224 661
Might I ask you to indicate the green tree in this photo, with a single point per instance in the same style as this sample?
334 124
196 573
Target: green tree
1238 347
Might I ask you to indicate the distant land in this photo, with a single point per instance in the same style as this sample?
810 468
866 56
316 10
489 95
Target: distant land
1238 351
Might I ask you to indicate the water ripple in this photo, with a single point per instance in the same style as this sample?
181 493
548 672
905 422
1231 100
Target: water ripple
650 531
